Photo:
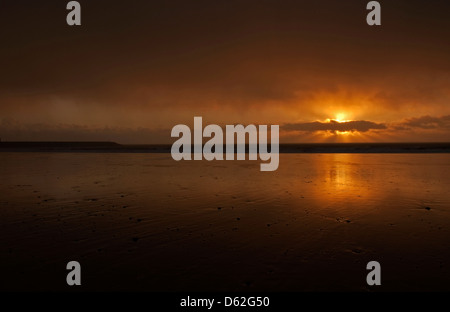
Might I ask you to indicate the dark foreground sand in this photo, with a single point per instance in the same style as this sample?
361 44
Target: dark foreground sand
146 222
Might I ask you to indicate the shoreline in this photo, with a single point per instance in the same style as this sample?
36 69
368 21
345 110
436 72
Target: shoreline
112 147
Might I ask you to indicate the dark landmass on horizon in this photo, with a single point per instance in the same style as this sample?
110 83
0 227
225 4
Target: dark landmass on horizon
112 147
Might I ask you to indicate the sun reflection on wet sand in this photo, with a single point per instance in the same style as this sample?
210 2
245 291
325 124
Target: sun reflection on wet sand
145 222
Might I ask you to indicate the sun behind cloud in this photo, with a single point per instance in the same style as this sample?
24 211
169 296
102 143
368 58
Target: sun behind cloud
341 117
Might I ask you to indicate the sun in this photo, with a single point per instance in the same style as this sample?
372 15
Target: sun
341 117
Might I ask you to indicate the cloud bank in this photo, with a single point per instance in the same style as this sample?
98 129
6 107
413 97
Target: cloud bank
333 125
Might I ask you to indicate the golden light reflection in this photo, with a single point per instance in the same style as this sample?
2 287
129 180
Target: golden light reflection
342 178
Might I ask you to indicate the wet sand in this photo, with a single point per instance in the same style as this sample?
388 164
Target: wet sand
145 222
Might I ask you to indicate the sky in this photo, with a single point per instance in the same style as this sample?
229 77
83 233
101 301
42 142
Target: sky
135 69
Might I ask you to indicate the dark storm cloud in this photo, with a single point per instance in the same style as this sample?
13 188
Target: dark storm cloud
427 122
360 125
424 122
11 130
153 64
262 49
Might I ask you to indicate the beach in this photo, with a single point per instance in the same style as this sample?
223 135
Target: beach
144 222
